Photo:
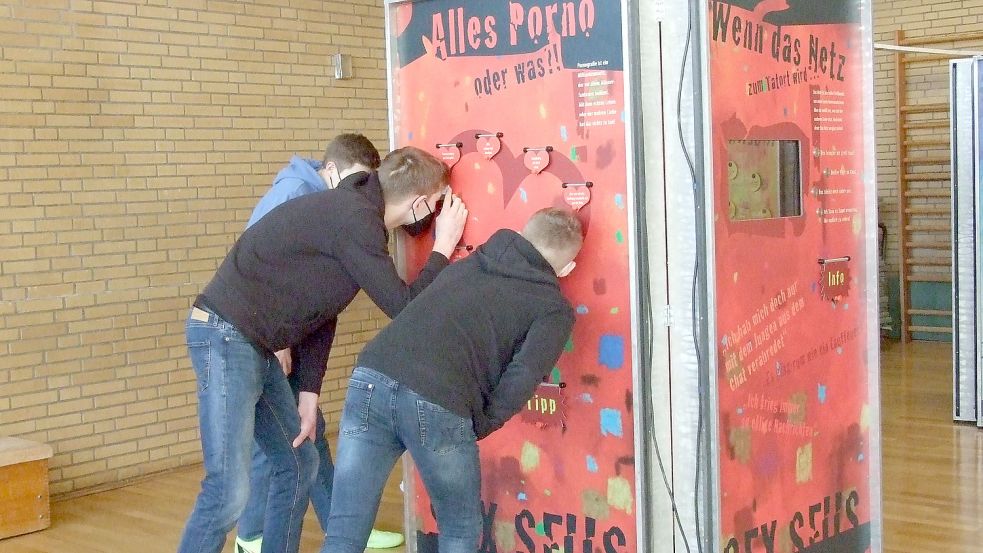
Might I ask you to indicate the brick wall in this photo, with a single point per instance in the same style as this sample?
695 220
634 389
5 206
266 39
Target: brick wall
926 82
135 138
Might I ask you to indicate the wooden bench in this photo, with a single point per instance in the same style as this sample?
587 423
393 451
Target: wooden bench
24 505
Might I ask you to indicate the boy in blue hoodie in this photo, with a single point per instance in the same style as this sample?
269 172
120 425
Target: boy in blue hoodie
345 156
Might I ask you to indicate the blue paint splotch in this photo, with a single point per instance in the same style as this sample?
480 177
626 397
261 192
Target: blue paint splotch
586 398
611 423
619 201
563 133
611 352
521 496
582 309
822 393
591 464
523 196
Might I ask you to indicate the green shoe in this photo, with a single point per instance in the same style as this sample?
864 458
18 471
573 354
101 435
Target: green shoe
252 546
379 539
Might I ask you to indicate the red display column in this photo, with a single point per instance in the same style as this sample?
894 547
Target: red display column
526 101
794 317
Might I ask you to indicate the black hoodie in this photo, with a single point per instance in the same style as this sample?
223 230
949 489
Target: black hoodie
288 276
479 339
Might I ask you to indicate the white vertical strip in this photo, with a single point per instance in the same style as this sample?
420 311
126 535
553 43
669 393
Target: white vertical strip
871 262
657 441
964 243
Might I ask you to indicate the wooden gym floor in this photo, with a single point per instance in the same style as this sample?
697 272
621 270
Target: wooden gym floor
933 481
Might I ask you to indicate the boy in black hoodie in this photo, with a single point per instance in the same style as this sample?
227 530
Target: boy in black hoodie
452 368
282 285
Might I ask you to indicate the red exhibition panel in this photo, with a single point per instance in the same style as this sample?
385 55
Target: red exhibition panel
526 101
795 421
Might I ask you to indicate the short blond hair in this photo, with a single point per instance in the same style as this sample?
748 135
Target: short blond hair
411 171
556 233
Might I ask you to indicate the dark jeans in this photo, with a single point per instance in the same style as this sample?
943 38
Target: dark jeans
381 420
243 395
253 517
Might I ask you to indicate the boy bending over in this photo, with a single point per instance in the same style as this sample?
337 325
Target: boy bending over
451 368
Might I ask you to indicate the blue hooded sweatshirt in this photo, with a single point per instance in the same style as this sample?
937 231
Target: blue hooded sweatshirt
298 178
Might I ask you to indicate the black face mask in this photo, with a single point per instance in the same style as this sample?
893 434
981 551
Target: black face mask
419 226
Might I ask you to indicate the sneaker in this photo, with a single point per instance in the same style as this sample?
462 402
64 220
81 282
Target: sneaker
379 539
252 546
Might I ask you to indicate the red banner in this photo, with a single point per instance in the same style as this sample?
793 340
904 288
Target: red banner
788 158
534 93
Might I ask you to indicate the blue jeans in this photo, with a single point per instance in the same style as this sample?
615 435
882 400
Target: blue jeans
243 395
252 520
381 420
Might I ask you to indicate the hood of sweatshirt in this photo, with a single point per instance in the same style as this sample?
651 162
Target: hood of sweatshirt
508 254
305 171
299 178
368 185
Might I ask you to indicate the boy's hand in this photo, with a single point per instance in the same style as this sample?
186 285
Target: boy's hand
286 362
450 225
307 408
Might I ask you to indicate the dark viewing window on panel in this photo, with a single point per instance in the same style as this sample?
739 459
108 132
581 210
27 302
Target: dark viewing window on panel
764 179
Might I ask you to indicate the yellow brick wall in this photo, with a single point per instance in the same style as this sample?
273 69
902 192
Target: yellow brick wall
926 82
135 138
